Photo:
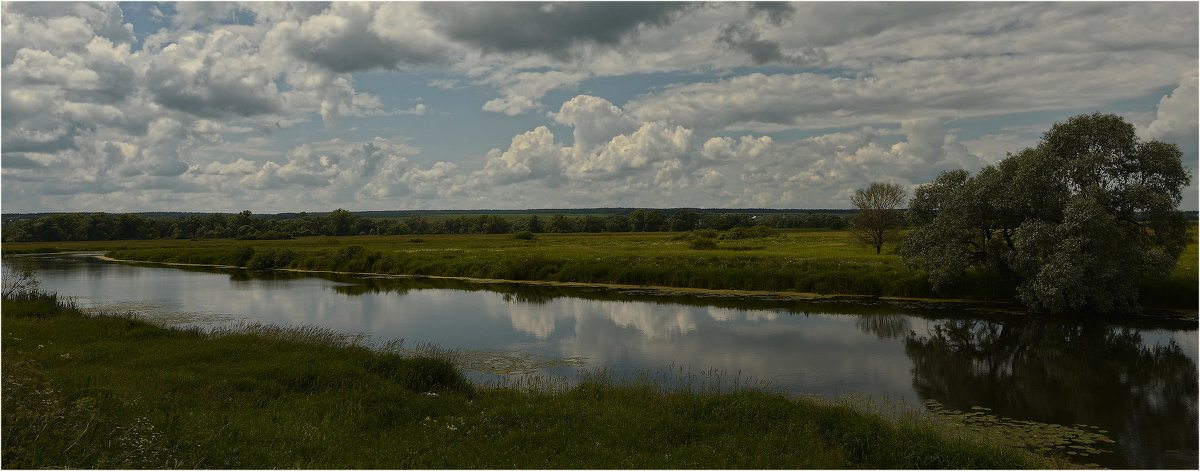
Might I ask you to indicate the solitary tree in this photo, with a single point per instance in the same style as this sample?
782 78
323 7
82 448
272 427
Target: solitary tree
878 220
1073 224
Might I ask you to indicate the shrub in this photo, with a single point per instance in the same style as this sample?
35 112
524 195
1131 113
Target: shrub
270 258
524 235
755 232
240 256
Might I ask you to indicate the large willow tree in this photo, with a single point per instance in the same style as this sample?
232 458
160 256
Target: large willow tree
1074 224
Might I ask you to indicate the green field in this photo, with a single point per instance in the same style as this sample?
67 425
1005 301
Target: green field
105 391
798 260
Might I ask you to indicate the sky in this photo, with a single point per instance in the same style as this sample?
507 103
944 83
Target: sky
282 107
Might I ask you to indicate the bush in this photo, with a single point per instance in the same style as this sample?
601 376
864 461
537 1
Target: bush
703 244
270 258
524 235
697 234
755 232
240 256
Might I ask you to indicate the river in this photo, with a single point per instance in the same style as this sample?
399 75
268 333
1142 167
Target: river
1135 379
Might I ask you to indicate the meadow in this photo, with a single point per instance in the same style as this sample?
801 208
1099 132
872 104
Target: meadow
815 261
109 391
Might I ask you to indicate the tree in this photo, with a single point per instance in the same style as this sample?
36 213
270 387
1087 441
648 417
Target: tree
535 224
560 224
1074 224
683 220
419 225
728 221
617 223
879 219
593 223
643 220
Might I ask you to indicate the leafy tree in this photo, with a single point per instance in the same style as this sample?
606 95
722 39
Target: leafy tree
728 221
244 218
99 226
879 219
683 220
419 225
493 224
560 224
642 220
1072 224
618 223
592 223
340 222
535 224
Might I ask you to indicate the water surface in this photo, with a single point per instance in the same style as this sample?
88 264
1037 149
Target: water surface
1136 379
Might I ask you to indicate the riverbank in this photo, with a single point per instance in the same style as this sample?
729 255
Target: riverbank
793 263
636 290
109 391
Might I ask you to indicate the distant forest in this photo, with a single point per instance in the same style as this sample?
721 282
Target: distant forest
247 226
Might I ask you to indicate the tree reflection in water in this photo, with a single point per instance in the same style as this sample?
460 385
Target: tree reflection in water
884 326
1063 372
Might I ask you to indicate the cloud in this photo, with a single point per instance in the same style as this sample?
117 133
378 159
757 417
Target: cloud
742 37
1175 120
349 37
551 28
653 144
680 104
607 145
510 105
441 180
238 168
64 75
924 61
959 88
665 164
776 12
530 156
334 171
212 75
54 26
821 171
595 120
521 91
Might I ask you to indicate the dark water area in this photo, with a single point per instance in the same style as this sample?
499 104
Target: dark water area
1136 379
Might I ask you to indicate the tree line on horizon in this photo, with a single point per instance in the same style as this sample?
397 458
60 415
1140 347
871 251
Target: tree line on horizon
247 226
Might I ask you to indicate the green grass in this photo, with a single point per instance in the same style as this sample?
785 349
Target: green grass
806 261
113 392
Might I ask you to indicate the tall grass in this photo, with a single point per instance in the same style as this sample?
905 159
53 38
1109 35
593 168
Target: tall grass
109 391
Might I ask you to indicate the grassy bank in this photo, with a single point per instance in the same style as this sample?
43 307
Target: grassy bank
807 261
112 392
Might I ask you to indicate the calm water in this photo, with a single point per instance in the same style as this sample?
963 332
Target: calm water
1137 379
